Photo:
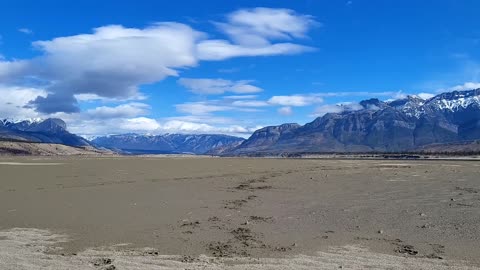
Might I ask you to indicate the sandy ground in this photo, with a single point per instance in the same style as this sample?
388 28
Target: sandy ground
211 213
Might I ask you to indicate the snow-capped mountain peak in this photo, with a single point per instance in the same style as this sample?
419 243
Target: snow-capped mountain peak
16 121
415 106
456 100
412 105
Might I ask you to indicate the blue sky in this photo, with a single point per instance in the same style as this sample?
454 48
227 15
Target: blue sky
226 66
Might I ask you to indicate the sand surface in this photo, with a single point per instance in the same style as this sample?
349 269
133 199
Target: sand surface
211 213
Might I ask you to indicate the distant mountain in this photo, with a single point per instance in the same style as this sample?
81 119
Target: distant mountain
168 143
225 148
400 125
50 130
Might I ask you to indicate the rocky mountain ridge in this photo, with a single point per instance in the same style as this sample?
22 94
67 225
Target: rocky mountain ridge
51 130
393 126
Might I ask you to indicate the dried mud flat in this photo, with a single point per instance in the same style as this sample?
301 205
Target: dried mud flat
211 213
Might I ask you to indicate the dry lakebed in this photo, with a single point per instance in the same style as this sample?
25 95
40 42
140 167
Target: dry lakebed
238 213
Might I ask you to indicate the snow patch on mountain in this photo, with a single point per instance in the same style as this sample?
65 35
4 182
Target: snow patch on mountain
456 100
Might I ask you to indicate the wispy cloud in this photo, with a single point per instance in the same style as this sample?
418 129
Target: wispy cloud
257 26
336 108
252 32
218 86
201 108
128 110
250 103
25 31
240 97
425 95
95 97
285 111
359 94
192 127
295 100
207 107
465 86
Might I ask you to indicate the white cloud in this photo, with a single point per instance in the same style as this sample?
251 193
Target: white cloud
95 97
252 32
207 107
78 124
102 120
120 111
336 108
176 126
465 86
208 119
461 87
182 126
257 26
88 97
206 124
25 31
218 86
399 95
250 103
285 111
240 97
392 94
222 49
199 108
13 100
295 100
11 70
328 108
113 61
140 124
425 95
350 106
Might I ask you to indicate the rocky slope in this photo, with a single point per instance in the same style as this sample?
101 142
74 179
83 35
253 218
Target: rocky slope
399 125
168 143
47 149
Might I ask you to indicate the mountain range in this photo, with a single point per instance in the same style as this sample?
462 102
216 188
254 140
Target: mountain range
406 124
168 143
409 124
